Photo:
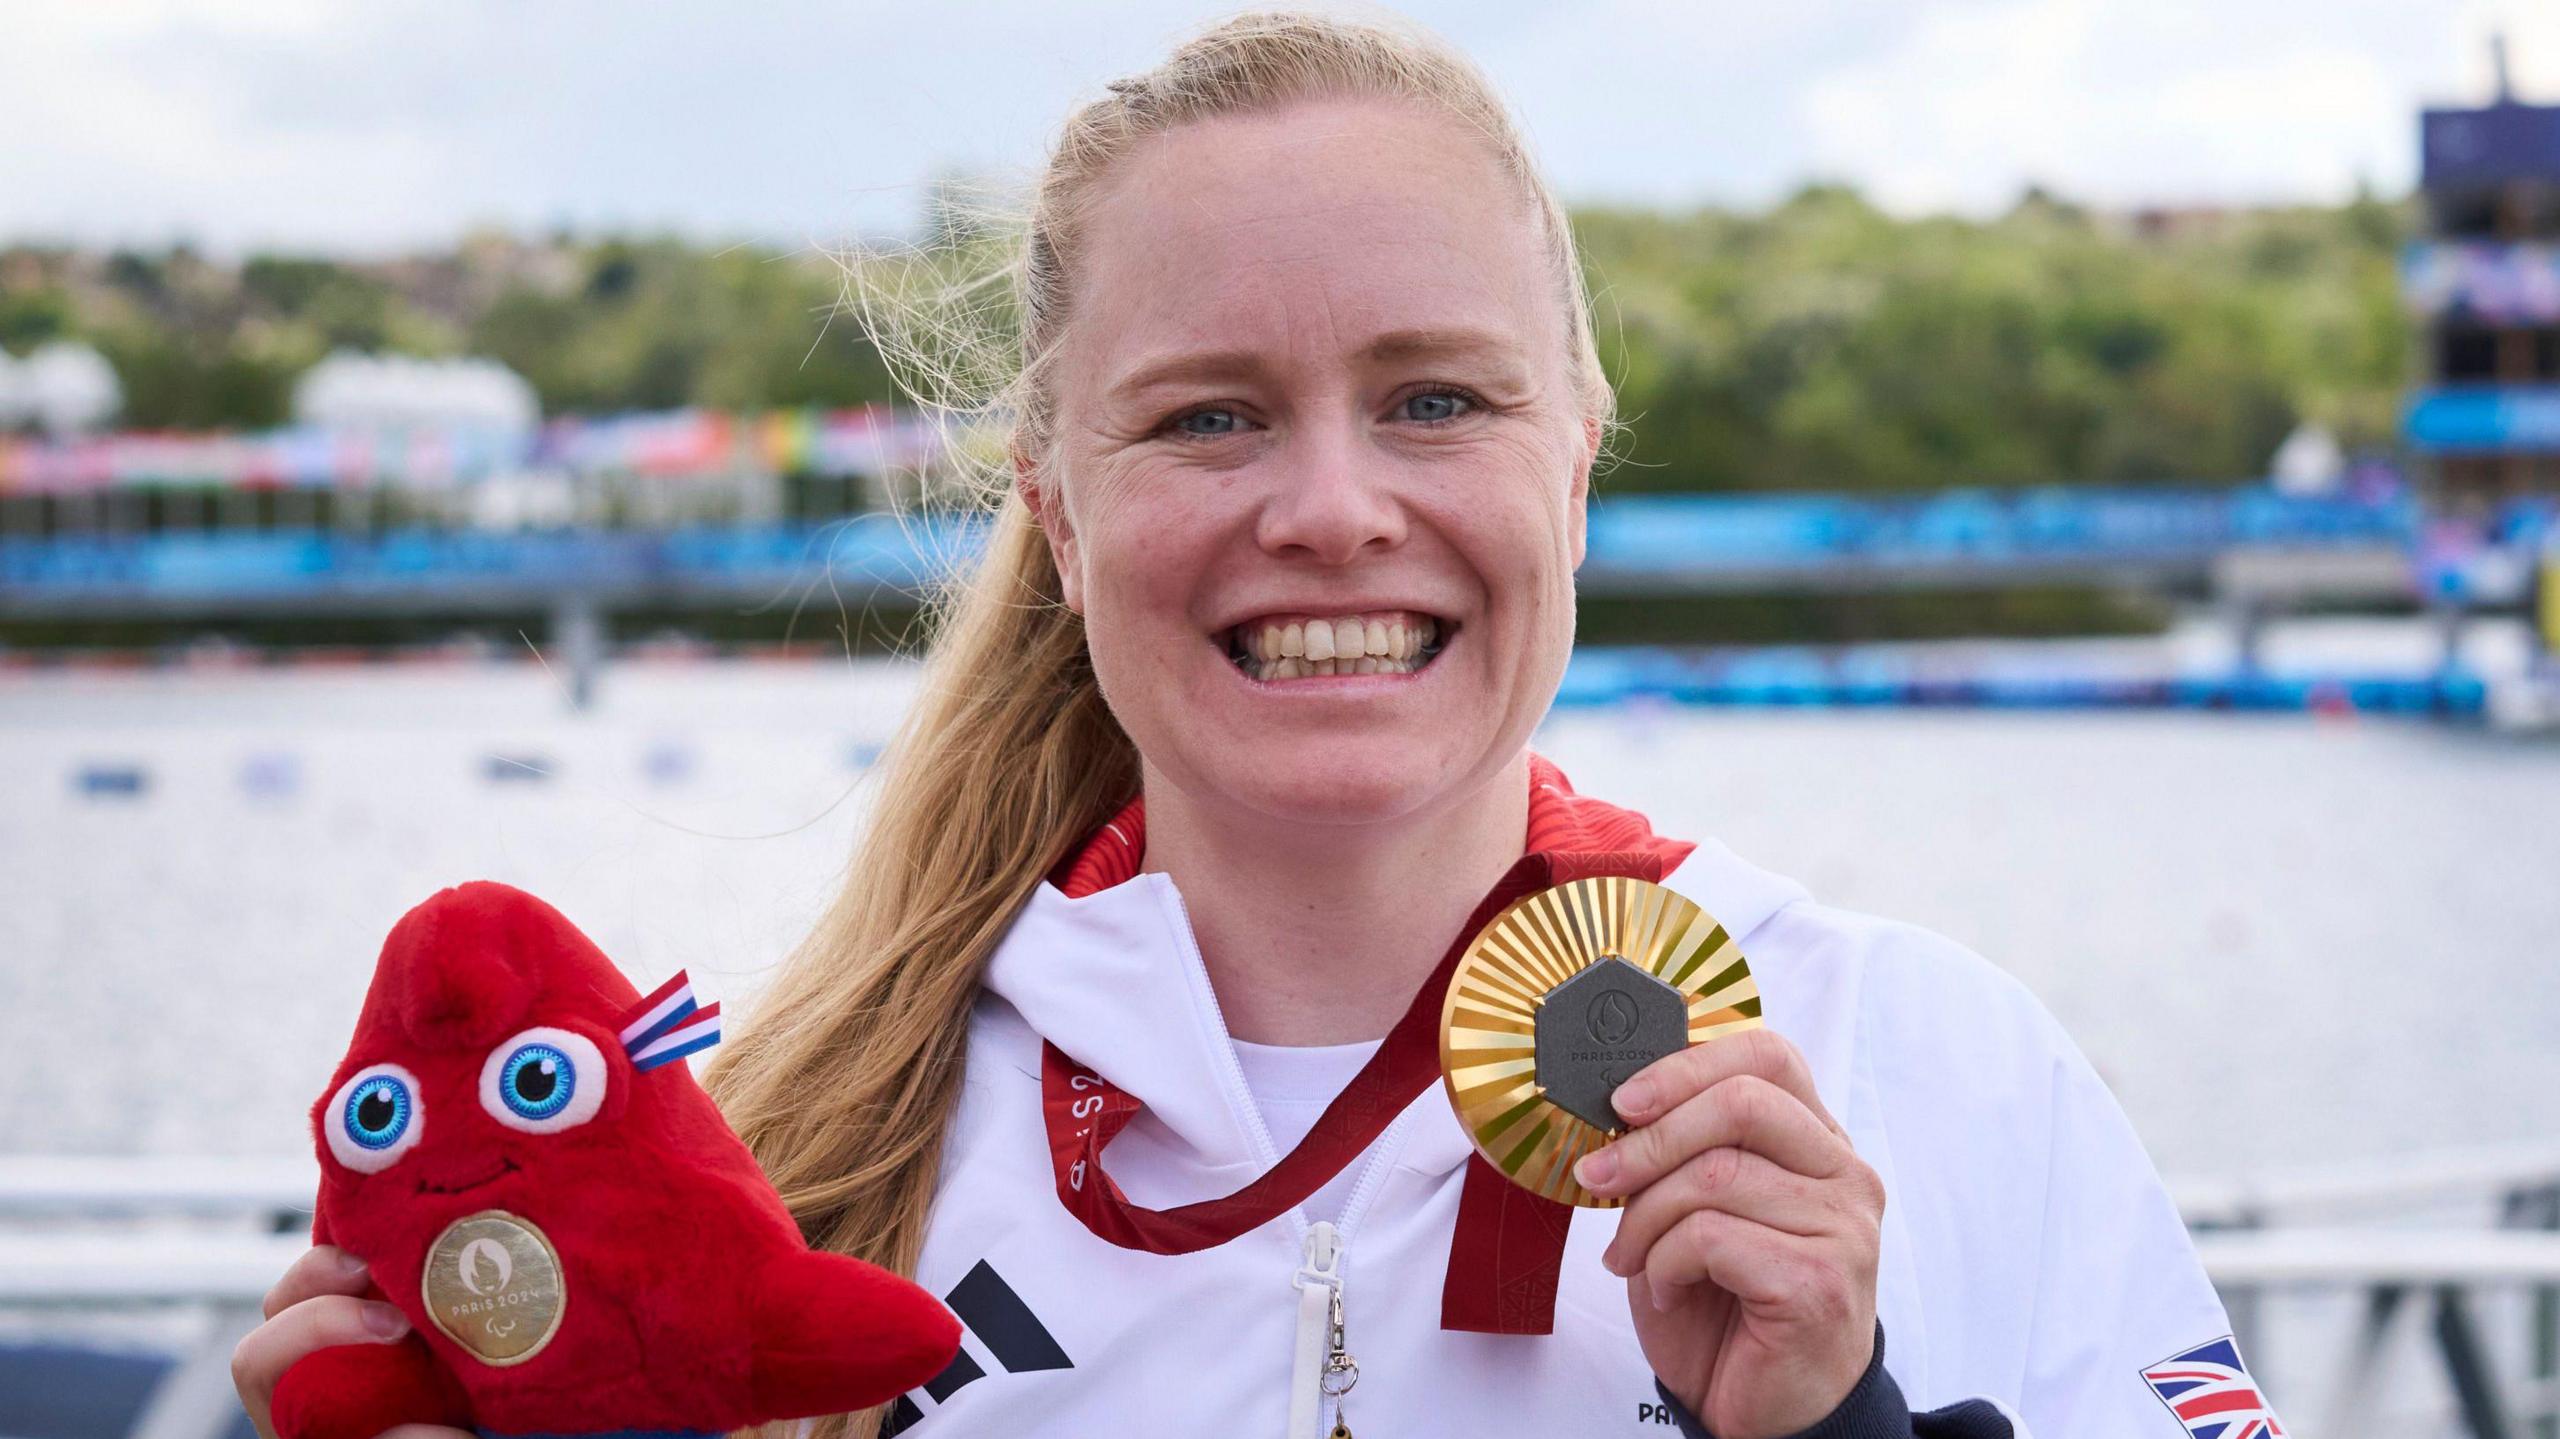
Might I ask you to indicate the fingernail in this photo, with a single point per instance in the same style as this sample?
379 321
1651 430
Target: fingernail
351 1264
1661 1301
385 1321
1633 1099
1598 1168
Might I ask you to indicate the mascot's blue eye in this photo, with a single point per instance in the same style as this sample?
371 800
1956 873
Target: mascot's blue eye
544 1080
537 1080
378 1112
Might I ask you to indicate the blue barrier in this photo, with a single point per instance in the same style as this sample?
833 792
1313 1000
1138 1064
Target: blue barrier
2485 419
1668 534
871 549
1632 538
1603 677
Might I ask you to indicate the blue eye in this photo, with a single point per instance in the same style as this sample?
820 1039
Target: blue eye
374 1118
537 1080
378 1110
543 1080
1451 404
1182 424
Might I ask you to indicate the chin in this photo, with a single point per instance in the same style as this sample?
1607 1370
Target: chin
1320 780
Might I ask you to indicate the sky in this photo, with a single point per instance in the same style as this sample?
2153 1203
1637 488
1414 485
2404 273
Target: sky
376 126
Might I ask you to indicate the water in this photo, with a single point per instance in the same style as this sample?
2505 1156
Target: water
2281 939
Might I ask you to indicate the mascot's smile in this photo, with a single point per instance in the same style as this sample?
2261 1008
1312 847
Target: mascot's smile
505 1168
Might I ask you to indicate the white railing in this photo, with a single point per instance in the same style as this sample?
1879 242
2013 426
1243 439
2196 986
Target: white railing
2291 1229
66 1186
2296 1192
2258 1234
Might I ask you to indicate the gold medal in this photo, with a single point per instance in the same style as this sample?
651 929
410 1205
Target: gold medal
1562 998
493 1285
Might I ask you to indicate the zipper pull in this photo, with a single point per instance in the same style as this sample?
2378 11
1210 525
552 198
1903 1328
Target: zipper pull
1341 1371
1319 1285
1323 1258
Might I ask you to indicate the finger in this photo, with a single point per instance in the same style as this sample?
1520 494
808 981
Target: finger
1672 1079
316 1323
1756 1264
1744 1112
1736 1182
322 1269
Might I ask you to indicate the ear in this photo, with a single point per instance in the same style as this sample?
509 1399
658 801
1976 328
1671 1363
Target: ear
1049 509
1578 502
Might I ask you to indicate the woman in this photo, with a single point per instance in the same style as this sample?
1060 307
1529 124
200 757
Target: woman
1224 745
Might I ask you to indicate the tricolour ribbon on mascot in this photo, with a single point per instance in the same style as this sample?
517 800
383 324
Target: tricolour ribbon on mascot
667 1025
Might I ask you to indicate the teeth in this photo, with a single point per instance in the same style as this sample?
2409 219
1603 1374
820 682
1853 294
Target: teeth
1351 645
1291 667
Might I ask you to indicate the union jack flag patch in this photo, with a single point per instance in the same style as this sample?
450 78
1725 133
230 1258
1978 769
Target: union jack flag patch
2210 1392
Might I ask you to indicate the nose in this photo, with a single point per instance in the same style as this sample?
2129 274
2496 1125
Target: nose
1331 498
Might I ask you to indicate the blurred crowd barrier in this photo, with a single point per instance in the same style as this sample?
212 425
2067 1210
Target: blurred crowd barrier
432 456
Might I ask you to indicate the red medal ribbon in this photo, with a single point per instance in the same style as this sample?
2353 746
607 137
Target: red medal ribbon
1509 1247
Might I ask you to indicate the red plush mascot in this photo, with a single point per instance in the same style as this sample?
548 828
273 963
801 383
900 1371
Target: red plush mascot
580 1242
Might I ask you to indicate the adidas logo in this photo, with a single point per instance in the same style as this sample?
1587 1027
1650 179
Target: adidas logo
1002 1326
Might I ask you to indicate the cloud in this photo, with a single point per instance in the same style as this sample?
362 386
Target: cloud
2125 103
385 123
1669 103
2135 101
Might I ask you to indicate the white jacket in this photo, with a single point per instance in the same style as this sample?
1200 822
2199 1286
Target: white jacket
2030 1255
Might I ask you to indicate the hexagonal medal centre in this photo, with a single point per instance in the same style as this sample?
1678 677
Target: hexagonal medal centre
1595 1030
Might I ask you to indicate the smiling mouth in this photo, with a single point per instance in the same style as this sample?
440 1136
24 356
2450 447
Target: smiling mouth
505 1168
1386 642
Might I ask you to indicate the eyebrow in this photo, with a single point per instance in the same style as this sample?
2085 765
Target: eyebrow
1454 343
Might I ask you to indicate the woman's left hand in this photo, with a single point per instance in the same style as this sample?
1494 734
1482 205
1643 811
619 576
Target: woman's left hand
1749 1238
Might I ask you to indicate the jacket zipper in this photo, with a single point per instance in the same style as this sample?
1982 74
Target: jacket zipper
1320 1346
1322 1367
1326 1370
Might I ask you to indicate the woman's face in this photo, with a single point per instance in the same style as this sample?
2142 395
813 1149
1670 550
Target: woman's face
1319 475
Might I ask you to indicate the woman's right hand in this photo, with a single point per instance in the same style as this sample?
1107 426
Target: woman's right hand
317 1304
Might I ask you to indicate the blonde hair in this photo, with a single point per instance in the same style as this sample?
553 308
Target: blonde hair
844 1081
